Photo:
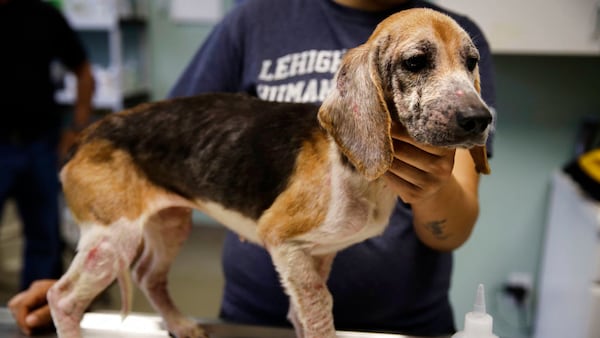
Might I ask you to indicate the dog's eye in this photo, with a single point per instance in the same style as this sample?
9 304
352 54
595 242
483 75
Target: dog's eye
415 63
472 63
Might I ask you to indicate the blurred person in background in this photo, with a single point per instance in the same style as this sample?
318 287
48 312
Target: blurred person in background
33 35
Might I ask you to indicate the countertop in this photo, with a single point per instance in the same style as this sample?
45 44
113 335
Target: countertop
100 324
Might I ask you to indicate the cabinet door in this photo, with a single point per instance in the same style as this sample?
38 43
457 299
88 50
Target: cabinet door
594 327
566 306
535 26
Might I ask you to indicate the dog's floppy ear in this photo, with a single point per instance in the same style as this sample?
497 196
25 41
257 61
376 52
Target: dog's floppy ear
479 153
356 115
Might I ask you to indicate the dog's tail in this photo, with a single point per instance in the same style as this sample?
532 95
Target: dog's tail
124 279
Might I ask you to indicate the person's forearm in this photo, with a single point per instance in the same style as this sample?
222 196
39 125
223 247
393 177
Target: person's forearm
445 220
85 91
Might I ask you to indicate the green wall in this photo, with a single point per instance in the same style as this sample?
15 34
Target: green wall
540 101
172 46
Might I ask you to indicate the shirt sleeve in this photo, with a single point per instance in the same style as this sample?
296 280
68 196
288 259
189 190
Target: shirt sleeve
217 65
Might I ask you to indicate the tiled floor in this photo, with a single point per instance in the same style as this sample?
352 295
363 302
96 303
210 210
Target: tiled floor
195 280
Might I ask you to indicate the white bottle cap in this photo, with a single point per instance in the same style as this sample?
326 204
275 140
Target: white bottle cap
478 324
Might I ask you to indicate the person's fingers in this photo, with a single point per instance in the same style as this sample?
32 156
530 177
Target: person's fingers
20 311
15 300
397 130
412 154
407 191
399 133
29 308
39 318
408 173
39 289
436 164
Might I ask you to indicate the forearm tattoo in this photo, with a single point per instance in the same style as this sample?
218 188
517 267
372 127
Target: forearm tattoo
437 229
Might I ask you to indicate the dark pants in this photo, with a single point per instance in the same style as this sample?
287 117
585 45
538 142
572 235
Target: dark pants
29 174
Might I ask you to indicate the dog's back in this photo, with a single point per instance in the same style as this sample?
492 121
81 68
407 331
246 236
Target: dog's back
233 149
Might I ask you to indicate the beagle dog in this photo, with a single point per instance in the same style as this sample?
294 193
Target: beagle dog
300 180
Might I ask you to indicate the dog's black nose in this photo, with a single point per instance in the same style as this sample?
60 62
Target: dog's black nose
474 121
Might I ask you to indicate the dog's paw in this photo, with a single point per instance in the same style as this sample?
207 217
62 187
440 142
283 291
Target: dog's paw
186 328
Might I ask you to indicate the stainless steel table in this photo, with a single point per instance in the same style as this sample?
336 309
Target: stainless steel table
109 324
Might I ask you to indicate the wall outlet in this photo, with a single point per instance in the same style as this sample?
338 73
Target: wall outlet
519 287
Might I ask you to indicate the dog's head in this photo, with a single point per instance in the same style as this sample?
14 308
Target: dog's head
418 68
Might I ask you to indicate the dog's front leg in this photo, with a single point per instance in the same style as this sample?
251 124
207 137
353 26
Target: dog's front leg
310 300
323 266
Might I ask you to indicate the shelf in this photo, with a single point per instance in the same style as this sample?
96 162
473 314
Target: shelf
104 24
122 79
535 27
113 102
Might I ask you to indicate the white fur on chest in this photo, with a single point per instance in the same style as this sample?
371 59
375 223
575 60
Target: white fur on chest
358 210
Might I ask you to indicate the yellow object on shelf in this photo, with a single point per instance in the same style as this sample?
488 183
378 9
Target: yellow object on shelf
585 171
590 164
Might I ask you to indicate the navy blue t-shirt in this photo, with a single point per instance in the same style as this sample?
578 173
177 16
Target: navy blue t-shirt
289 51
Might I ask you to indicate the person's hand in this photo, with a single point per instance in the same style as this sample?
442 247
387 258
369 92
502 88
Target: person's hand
418 171
30 308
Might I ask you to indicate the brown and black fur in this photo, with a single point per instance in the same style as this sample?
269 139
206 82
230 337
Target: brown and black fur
234 149
300 180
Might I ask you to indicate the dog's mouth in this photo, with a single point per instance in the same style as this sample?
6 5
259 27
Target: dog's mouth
442 138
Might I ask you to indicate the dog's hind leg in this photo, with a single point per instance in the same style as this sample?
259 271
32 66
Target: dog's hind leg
310 299
104 253
164 233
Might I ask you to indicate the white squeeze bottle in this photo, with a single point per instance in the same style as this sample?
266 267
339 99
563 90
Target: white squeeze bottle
478 324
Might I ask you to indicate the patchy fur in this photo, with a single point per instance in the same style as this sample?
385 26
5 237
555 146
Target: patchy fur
303 181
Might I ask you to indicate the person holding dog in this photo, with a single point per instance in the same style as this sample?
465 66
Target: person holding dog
398 282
